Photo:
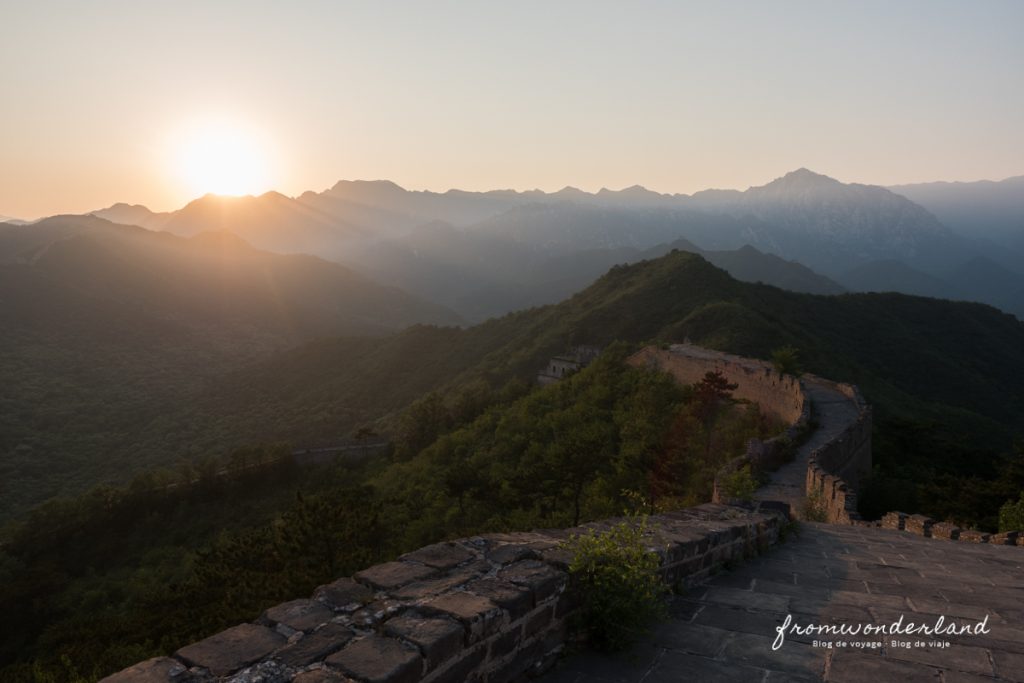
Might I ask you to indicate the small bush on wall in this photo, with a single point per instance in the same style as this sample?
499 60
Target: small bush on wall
621 592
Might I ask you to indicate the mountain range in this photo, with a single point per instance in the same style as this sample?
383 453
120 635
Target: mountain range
487 253
118 342
93 397
986 210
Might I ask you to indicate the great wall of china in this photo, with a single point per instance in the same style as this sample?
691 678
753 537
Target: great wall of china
496 608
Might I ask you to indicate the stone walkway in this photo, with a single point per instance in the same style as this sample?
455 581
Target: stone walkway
833 411
723 631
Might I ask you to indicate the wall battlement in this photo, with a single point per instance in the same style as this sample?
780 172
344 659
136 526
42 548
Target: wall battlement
836 468
922 525
488 608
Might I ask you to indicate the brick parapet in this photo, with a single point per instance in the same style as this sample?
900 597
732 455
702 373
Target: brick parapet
922 525
778 394
833 470
836 468
488 608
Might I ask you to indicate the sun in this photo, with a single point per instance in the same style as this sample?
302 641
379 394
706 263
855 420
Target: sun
223 159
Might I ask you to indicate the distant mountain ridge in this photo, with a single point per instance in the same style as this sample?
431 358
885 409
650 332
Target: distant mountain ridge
986 209
134 214
212 276
842 231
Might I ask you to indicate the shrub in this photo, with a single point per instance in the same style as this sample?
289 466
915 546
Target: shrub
814 508
786 360
1011 515
740 485
621 592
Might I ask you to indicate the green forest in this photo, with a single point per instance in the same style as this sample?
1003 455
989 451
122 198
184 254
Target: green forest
120 574
168 549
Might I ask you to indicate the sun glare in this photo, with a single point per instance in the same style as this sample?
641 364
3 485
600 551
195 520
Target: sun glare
223 159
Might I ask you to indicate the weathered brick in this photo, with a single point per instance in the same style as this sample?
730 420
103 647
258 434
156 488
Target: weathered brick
375 659
1005 538
156 670
682 546
440 555
424 589
376 612
540 578
321 676
343 594
538 620
514 599
463 668
504 643
946 531
301 615
569 601
480 616
974 536
438 638
315 646
513 668
233 649
558 556
392 575
919 524
511 552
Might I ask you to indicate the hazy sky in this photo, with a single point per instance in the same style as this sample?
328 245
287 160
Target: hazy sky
98 96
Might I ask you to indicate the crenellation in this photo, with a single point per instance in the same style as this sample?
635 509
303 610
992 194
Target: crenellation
894 520
974 536
1005 538
945 531
919 524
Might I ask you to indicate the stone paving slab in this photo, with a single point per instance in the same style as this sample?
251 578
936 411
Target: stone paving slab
723 630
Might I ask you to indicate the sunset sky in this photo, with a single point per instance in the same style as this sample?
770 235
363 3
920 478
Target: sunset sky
157 102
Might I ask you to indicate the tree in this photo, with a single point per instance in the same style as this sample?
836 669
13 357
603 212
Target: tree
1011 515
709 395
422 423
584 441
786 360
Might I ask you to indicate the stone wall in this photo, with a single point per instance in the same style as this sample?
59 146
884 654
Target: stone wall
922 525
778 395
835 469
496 608
491 609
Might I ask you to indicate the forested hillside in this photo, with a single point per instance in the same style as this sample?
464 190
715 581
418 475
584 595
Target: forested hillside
118 575
476 445
106 331
954 366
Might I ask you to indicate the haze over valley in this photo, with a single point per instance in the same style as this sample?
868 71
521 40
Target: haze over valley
529 248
